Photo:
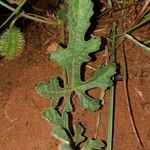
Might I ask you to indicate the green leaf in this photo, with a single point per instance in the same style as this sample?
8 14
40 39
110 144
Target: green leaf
102 80
65 146
63 11
11 43
78 131
73 57
92 144
61 134
56 118
52 90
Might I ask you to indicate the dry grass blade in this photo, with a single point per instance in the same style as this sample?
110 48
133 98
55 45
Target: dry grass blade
143 11
124 68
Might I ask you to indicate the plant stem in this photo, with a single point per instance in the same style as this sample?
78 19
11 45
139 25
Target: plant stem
143 11
137 42
16 11
125 81
109 3
46 21
145 20
6 6
147 42
14 21
99 113
127 98
112 97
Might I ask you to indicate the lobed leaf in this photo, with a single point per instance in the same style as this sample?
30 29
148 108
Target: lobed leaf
65 146
73 57
92 144
61 134
78 131
56 118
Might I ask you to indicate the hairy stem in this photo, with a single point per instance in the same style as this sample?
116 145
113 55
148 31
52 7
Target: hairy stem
112 96
46 21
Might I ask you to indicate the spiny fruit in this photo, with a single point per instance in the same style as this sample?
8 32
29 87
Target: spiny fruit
11 43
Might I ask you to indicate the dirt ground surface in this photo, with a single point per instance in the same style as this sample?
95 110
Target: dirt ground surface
21 124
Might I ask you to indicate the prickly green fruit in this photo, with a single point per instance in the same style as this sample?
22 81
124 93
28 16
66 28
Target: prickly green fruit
11 43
